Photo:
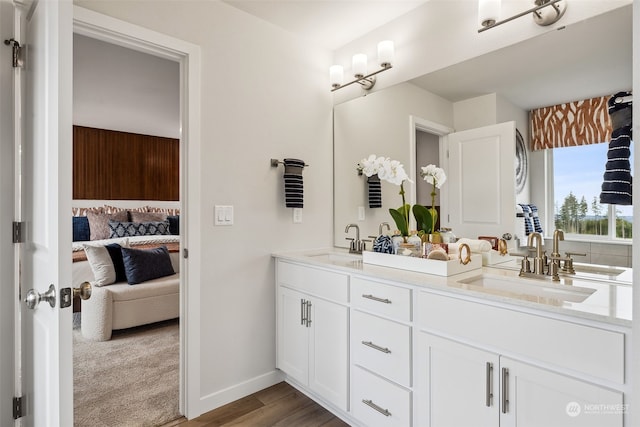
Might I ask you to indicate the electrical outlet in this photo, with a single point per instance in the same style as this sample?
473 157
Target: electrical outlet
297 215
361 215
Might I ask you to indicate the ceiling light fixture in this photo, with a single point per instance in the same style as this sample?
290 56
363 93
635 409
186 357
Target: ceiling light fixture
359 68
545 12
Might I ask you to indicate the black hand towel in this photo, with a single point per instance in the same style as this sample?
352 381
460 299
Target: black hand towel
375 191
293 186
617 185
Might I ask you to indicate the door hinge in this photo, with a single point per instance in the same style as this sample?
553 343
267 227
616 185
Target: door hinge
18 407
18 61
447 154
185 253
18 232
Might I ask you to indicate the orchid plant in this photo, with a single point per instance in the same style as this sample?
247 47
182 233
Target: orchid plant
391 171
427 218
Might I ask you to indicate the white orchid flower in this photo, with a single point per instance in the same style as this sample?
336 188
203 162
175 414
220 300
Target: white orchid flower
433 175
393 171
371 165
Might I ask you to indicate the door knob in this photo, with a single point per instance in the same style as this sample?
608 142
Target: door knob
33 297
83 291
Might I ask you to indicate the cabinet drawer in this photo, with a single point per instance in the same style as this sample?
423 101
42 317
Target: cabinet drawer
590 350
386 300
382 346
377 402
323 283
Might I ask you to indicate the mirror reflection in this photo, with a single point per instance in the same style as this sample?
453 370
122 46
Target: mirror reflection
587 59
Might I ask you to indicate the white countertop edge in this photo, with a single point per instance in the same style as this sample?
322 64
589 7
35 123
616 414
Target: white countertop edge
439 284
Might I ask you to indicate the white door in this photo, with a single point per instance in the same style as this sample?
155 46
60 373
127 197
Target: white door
481 181
46 203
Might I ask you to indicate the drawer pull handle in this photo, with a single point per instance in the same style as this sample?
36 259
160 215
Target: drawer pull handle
505 390
376 347
303 312
370 404
489 384
384 300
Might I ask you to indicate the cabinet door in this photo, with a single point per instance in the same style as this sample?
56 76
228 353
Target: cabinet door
538 397
293 335
462 383
328 351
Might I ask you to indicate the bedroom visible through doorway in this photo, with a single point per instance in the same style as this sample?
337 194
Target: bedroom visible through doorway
127 334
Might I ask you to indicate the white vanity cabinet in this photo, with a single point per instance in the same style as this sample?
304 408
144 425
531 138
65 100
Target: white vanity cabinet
312 330
381 353
569 377
385 348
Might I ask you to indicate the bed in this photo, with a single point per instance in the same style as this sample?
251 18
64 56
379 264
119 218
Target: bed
144 288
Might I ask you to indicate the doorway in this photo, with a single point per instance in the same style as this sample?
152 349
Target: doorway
126 117
97 26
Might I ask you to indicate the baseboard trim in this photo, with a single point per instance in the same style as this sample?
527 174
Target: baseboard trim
240 390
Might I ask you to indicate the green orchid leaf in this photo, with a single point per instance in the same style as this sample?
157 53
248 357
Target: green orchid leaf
424 218
400 220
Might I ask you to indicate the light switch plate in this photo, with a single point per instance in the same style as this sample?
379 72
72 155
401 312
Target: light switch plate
361 214
223 215
297 215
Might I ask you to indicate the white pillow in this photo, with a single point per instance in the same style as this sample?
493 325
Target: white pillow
101 264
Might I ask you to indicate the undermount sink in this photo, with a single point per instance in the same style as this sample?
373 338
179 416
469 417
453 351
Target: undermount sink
598 269
336 258
532 290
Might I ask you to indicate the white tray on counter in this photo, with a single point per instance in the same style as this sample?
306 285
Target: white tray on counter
422 265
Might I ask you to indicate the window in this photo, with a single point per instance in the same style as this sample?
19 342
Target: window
577 180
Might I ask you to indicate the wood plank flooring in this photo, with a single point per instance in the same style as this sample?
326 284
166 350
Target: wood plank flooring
278 406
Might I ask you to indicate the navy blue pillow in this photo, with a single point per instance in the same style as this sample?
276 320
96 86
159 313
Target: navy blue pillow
141 265
115 253
81 232
174 224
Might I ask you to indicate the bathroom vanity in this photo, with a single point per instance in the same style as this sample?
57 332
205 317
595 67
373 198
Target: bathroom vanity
385 347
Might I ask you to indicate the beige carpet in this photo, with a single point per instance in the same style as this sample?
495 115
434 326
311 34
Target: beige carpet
129 381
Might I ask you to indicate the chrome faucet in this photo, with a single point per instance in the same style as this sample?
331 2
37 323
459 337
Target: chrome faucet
356 246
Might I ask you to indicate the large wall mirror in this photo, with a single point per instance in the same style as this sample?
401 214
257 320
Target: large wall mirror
586 59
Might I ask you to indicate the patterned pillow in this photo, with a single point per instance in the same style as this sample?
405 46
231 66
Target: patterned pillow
141 265
130 229
99 223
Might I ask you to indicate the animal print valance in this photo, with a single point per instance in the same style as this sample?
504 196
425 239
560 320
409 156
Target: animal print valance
571 124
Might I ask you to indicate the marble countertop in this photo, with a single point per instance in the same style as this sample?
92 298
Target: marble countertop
608 290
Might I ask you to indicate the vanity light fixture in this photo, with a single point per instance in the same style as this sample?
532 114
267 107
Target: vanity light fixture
545 12
359 68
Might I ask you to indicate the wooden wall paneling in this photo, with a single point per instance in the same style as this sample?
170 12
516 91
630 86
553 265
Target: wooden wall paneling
113 165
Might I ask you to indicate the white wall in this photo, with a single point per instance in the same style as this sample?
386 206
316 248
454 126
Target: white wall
441 33
264 95
7 285
125 90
